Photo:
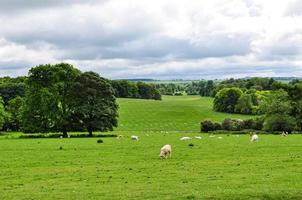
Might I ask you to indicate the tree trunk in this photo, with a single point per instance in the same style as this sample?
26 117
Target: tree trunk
90 132
65 135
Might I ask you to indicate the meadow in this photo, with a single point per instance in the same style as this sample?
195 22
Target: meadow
173 113
223 166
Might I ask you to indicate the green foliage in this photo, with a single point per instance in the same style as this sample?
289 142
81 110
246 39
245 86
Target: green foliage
226 99
15 111
206 126
47 106
244 104
279 122
232 124
2 113
127 89
10 90
94 102
277 109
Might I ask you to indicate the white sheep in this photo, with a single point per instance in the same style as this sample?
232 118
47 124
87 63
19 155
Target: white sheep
198 137
254 137
185 138
284 133
165 151
134 137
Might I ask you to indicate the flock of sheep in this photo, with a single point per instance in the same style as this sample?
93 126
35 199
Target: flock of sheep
166 150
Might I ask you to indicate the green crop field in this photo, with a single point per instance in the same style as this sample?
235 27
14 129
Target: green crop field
173 113
214 167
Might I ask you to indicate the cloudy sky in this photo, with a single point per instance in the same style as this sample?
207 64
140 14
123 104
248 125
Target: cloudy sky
162 39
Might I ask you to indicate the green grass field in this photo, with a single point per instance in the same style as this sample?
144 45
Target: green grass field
227 168
230 167
173 113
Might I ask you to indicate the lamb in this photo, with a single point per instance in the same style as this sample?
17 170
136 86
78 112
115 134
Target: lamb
134 137
254 137
165 151
185 138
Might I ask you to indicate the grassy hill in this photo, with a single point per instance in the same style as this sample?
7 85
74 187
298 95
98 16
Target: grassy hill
173 113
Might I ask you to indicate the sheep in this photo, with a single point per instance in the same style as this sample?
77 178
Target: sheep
284 133
198 137
219 137
212 136
185 138
134 137
165 151
254 137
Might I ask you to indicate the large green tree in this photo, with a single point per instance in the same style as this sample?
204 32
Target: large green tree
277 109
47 105
226 99
95 103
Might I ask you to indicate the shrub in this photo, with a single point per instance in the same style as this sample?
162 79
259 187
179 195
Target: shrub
248 124
206 126
227 124
258 123
279 123
217 126
232 124
99 141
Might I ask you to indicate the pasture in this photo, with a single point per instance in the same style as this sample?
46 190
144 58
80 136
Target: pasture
230 167
227 168
173 113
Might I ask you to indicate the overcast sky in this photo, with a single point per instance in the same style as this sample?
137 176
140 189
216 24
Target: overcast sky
162 39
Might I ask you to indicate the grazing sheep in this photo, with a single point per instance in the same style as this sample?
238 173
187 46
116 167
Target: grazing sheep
284 133
212 136
165 151
185 138
254 137
198 137
134 137
219 137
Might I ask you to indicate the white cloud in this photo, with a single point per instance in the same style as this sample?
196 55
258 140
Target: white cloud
158 39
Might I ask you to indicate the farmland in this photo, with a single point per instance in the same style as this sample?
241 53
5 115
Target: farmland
224 166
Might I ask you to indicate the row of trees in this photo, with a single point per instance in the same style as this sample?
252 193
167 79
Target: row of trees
61 98
280 107
127 89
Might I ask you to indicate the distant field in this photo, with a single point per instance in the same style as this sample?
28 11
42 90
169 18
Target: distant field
173 113
227 168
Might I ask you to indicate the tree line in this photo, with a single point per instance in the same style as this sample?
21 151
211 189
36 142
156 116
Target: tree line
141 90
280 106
57 98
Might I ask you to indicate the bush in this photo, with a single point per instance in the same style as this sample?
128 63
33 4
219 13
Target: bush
217 126
206 126
227 124
279 123
258 123
232 124
248 124
99 141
